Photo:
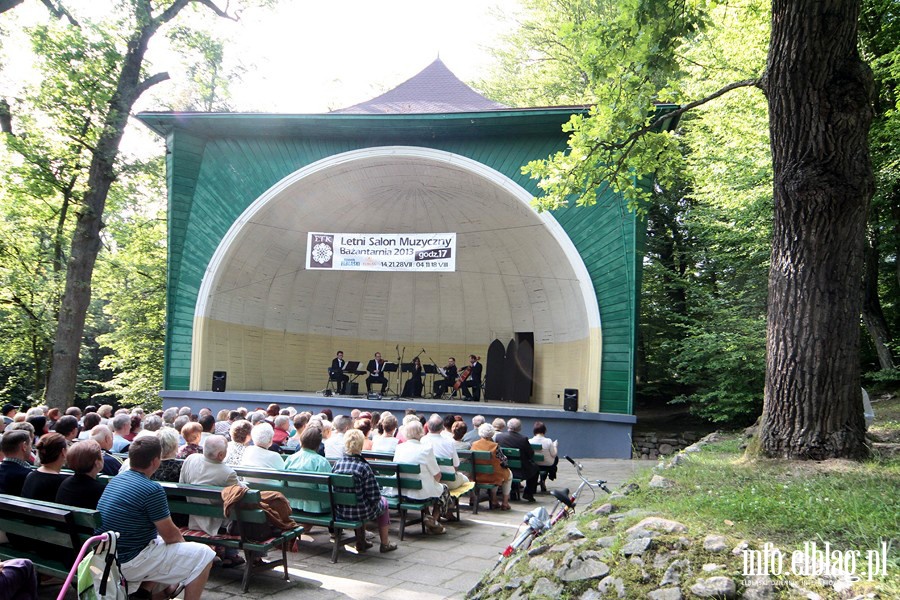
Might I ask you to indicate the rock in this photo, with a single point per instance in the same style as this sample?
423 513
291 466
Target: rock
590 595
658 524
631 488
512 563
805 593
665 594
695 447
660 482
715 587
751 431
494 590
561 547
683 542
758 587
513 583
634 512
573 533
545 587
739 549
606 541
636 560
678 459
538 550
710 567
660 561
541 563
674 572
715 543
886 450
586 566
669 440
637 546
594 525
519 594
616 496
712 438
604 509
610 585
666 449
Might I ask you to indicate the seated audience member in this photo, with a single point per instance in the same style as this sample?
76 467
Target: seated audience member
240 437
104 437
371 505
136 425
151 549
414 452
9 413
281 432
512 438
501 475
43 483
169 465
191 433
150 425
16 446
550 452
448 421
207 426
82 489
499 426
387 441
334 444
39 423
459 436
121 428
407 419
209 468
67 426
223 422
90 421
365 425
308 460
300 423
18 580
444 448
258 455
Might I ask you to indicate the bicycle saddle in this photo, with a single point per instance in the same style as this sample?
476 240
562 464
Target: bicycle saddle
563 496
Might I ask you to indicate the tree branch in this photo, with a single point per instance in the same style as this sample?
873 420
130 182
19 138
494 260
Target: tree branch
5 116
150 82
220 12
59 11
6 5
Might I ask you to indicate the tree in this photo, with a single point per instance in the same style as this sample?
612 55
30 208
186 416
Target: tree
130 83
818 92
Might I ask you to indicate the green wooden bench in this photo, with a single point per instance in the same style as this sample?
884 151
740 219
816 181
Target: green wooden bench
390 475
475 463
58 532
312 487
448 478
514 462
206 501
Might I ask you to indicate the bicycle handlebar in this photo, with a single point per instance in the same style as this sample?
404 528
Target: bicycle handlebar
569 458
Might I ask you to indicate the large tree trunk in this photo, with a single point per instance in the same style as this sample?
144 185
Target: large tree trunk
819 94
872 314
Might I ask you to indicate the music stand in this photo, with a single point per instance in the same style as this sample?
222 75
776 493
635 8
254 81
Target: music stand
390 367
429 370
351 369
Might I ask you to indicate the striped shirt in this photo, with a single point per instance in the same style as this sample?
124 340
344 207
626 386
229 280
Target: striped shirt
131 504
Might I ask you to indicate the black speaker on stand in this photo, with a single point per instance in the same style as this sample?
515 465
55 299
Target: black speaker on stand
218 381
570 399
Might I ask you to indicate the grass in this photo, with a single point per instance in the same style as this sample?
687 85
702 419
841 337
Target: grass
850 505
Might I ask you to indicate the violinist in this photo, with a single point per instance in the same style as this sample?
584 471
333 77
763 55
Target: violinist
471 387
450 373
413 386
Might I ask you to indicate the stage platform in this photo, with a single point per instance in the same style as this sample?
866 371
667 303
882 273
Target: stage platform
580 434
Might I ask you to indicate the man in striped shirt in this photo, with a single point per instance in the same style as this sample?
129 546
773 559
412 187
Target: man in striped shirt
150 547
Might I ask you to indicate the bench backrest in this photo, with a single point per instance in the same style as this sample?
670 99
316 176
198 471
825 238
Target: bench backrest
47 522
477 462
296 486
206 501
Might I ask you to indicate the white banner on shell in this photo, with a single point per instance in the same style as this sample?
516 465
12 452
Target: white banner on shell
381 252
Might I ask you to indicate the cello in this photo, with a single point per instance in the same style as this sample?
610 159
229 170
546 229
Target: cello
463 375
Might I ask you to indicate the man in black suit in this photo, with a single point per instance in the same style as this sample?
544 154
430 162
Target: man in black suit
16 446
511 438
376 374
441 386
336 372
471 387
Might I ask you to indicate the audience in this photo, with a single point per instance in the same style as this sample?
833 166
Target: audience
258 455
82 489
444 448
512 438
387 441
459 436
371 505
16 447
240 437
308 460
104 437
501 476
549 451
414 452
169 465
43 483
121 427
191 433
334 445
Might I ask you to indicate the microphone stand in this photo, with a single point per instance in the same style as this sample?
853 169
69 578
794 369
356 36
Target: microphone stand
398 391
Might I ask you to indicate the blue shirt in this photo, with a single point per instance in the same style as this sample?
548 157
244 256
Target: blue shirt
308 461
131 504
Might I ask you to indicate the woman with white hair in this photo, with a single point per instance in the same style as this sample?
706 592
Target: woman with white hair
501 476
169 467
258 455
414 452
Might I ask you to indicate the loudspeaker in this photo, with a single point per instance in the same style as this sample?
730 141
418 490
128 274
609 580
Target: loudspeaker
570 399
218 381
354 388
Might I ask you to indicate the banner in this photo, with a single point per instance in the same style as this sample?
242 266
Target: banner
419 252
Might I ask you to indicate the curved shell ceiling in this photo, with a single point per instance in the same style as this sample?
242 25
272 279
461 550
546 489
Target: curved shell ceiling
512 275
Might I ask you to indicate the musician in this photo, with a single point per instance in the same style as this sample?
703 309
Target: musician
336 372
413 386
450 373
376 374
471 387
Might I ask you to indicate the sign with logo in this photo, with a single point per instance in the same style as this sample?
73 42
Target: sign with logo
423 252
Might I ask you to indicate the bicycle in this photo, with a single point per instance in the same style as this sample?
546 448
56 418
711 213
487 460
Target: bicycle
538 521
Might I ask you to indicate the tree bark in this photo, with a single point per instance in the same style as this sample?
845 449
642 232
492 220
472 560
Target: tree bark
872 314
819 94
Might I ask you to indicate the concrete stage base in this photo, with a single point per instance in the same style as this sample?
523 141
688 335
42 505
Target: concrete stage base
580 434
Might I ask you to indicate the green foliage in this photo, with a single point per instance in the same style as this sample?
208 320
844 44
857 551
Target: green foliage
208 80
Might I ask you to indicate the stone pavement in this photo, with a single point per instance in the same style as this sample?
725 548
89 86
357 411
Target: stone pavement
425 567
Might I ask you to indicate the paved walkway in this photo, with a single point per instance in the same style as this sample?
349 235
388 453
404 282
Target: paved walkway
423 567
